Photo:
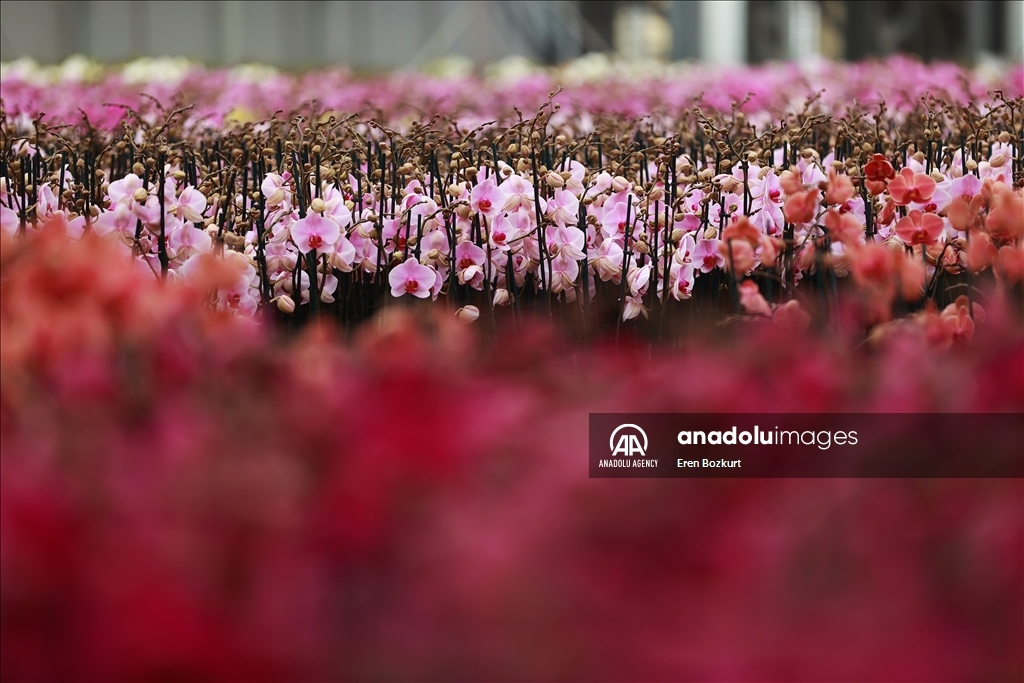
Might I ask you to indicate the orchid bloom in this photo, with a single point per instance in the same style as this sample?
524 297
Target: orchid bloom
518 192
633 307
608 262
275 190
707 256
638 279
315 233
564 271
487 199
9 221
919 228
563 208
613 225
965 187
569 240
123 191
801 207
469 263
681 280
909 187
411 277
119 220
501 232
189 205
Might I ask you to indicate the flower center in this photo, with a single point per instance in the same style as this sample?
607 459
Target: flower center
412 286
315 242
485 205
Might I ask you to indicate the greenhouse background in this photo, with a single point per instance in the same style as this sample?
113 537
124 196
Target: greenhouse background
374 36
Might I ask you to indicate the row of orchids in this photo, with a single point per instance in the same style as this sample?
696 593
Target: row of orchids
509 231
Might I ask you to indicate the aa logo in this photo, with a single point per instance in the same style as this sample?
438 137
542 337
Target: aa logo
628 440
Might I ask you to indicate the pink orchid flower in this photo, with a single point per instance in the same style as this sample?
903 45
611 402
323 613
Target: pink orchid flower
275 189
184 240
613 225
501 233
564 271
335 209
681 281
344 255
638 279
9 221
707 256
315 233
469 263
563 208
189 205
569 240
633 308
518 192
608 262
487 199
965 187
123 191
120 221
412 277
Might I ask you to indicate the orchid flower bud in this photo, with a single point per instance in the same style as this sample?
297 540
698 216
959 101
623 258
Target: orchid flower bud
468 314
619 183
317 205
140 195
285 303
501 297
